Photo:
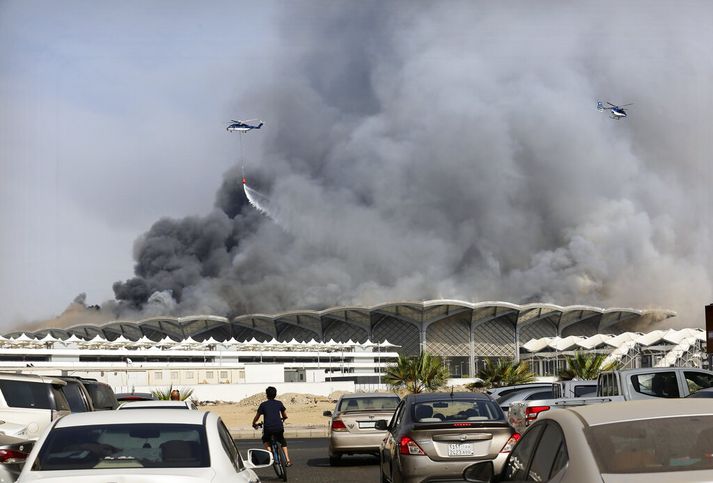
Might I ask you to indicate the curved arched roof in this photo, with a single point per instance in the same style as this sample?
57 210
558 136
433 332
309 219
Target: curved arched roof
358 322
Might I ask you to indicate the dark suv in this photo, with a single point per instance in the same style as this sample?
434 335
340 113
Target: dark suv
77 395
103 397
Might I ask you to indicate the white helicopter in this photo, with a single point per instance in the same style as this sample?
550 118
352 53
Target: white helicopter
617 112
244 126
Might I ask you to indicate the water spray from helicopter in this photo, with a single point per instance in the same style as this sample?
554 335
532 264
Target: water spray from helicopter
257 200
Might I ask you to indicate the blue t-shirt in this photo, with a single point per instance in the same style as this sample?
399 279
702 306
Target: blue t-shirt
271 411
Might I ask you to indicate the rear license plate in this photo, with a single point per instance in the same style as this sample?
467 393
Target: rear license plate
462 449
367 424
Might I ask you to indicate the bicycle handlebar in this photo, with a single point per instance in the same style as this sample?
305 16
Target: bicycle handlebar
261 424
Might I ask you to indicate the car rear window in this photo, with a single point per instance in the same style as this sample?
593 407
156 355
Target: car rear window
35 395
661 445
581 391
124 446
102 396
455 410
75 397
375 403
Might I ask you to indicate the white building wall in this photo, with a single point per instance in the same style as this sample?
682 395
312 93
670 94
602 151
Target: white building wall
238 392
264 373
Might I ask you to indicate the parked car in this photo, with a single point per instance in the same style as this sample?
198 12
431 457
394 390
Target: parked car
12 429
437 435
524 395
13 453
497 392
77 395
134 396
103 397
621 385
187 404
659 440
31 401
574 388
352 427
566 393
151 445
653 382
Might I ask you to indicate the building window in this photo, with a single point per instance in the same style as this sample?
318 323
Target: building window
174 375
223 374
158 376
209 374
190 375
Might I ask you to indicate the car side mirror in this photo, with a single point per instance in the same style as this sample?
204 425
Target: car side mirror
259 458
483 472
381 425
327 413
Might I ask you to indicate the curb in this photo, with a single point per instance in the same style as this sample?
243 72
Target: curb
293 432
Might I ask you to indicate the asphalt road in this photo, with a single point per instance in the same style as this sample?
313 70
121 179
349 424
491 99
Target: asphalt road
310 464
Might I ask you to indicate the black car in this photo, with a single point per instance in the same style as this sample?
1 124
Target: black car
103 397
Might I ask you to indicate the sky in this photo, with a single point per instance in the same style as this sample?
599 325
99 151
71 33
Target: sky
411 150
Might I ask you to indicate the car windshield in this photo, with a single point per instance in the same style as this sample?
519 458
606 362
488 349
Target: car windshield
654 445
124 446
371 403
454 410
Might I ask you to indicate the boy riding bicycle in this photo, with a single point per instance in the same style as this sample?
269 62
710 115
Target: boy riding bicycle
273 413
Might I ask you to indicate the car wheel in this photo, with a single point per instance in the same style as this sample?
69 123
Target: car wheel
334 459
382 476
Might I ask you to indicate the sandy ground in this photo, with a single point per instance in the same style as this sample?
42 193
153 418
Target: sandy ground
238 417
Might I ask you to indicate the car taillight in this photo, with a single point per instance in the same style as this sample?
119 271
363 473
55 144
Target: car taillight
338 425
409 447
12 456
532 412
511 443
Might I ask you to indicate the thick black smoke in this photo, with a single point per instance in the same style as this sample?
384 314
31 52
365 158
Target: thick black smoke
416 150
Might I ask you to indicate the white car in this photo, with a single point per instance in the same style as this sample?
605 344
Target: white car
142 445
32 402
187 404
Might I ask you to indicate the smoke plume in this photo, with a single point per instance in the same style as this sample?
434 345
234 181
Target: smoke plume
420 150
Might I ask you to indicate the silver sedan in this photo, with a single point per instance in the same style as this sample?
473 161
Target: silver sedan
650 441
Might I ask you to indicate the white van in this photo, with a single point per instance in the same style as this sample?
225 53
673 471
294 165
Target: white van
31 401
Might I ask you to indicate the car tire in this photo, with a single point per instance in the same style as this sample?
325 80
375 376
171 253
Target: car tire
334 459
382 477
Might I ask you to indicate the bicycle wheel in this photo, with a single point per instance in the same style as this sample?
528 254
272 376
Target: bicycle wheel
278 464
283 462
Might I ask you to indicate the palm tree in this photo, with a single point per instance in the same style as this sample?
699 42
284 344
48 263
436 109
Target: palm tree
417 373
505 372
586 366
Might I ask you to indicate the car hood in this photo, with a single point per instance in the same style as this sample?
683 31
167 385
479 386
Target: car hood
128 475
699 476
